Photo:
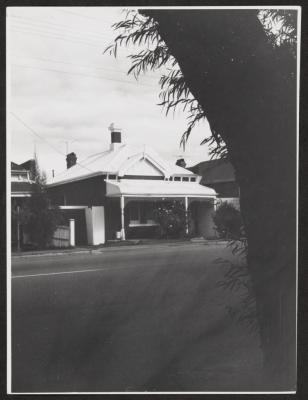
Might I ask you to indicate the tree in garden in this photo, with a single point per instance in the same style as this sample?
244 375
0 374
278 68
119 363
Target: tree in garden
171 217
233 68
42 219
38 176
228 222
37 216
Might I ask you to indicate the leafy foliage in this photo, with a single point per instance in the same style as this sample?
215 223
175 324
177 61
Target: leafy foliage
280 27
243 77
36 215
140 31
36 175
41 219
228 222
237 280
171 217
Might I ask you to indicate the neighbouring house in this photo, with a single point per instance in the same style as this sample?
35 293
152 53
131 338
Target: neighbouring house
112 194
21 188
220 176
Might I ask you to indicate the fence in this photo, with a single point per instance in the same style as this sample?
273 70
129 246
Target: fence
61 236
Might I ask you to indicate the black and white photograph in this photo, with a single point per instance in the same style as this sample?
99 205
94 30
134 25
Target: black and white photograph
152 199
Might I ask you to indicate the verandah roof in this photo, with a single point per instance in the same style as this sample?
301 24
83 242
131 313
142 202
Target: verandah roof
150 188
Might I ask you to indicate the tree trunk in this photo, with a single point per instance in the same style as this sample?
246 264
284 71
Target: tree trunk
248 93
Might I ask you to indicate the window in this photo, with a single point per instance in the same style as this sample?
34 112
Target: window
148 212
177 178
134 213
141 214
185 179
192 179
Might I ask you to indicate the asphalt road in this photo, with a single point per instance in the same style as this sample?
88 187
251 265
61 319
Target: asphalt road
132 319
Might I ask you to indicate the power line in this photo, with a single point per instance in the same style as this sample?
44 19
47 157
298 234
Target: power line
84 16
62 26
36 134
38 31
52 31
65 35
82 74
60 31
43 139
88 66
55 37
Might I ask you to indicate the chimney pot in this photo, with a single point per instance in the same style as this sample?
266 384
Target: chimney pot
181 163
116 138
71 160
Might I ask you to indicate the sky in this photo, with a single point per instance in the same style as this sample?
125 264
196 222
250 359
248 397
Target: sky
63 92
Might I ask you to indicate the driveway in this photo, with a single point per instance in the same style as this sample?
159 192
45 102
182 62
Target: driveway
135 319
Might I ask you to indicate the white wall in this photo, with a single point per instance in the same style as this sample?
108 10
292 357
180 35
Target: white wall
89 225
95 221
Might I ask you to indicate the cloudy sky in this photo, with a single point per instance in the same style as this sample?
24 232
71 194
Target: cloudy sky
63 92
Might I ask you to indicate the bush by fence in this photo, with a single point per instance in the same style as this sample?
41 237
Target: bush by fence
228 222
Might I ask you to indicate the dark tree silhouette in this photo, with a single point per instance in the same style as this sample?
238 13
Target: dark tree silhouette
38 218
229 66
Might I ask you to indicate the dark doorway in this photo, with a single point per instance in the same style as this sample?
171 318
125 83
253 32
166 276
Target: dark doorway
80 225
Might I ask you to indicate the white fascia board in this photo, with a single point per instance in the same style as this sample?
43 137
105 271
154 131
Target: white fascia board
21 194
174 196
73 207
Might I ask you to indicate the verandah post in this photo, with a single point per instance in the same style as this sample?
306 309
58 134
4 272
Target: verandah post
186 215
72 232
122 219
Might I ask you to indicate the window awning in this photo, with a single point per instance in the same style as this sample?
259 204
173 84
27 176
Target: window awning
157 188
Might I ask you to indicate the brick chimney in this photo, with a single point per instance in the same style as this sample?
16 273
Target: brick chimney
181 162
71 160
116 139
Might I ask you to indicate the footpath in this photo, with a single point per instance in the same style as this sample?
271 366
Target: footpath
117 246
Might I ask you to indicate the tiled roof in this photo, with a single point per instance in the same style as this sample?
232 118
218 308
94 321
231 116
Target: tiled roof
16 167
215 171
28 164
115 162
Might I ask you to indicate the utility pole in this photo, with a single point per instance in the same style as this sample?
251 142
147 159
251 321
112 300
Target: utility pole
18 229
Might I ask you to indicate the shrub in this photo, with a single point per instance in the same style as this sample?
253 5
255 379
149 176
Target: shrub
171 218
228 222
41 219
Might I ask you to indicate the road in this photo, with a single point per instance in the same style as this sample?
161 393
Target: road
132 319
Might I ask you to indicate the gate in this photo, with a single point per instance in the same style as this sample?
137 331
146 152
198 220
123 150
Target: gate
61 236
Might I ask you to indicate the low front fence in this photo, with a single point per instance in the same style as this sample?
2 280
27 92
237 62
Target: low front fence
61 236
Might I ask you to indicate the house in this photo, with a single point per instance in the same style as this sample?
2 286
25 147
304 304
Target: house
21 179
112 194
220 176
21 188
